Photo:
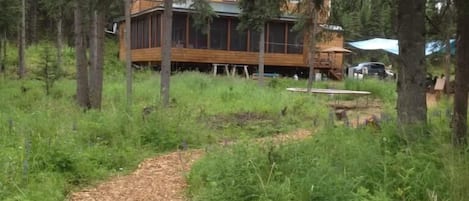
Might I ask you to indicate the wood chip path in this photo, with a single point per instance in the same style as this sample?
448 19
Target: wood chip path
159 179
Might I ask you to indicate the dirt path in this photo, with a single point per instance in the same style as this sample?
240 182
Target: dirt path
163 178
160 178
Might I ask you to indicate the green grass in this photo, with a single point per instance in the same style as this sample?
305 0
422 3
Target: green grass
383 90
337 164
340 163
50 147
47 142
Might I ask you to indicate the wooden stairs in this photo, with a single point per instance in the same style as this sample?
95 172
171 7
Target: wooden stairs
336 73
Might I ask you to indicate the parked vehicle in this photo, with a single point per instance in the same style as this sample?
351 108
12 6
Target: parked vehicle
371 68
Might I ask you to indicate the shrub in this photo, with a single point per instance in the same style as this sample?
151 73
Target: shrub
49 71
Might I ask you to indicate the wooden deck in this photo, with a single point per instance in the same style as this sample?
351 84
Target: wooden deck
218 56
188 55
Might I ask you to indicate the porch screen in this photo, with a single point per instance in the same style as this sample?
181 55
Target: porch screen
276 37
197 39
155 30
238 39
143 29
140 33
179 30
254 41
219 34
134 34
295 41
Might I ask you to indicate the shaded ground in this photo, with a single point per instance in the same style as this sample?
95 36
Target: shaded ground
239 119
357 112
361 110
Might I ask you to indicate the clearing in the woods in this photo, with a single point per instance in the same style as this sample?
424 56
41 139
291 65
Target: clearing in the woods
164 177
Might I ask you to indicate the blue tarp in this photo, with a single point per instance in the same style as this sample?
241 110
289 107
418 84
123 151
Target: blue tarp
392 46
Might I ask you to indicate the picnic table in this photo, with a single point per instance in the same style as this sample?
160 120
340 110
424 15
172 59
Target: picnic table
233 69
330 91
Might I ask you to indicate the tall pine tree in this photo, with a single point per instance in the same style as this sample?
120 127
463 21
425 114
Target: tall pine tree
462 73
411 101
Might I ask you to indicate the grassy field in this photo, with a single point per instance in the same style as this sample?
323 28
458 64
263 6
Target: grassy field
342 163
50 147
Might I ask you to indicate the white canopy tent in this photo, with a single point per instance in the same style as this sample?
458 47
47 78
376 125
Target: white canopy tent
392 45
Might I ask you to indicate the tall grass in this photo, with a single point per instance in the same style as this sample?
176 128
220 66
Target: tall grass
337 164
48 142
341 163
50 146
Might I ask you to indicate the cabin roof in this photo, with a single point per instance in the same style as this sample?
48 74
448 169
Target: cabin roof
223 9
220 8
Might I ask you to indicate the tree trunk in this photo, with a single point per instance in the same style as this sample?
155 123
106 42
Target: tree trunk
33 8
462 73
82 95
311 46
2 67
261 55
411 101
96 58
92 44
21 50
166 52
4 40
98 70
128 57
59 42
447 63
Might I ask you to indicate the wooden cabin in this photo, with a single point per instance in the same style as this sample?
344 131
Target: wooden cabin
224 44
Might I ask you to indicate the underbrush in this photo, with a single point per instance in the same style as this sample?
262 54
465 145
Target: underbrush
47 142
35 59
51 147
338 163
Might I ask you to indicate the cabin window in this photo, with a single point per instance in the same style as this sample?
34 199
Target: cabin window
238 39
254 40
155 30
179 30
295 41
276 37
197 39
219 34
